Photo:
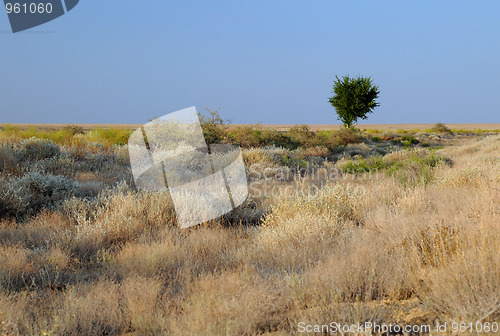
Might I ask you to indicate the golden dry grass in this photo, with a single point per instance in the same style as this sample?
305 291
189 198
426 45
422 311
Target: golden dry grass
378 251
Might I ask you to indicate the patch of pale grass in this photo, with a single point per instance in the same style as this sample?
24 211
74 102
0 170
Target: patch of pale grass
14 261
295 243
259 156
90 309
232 303
118 216
467 287
142 299
149 259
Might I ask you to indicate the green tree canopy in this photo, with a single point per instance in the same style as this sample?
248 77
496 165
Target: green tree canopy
354 98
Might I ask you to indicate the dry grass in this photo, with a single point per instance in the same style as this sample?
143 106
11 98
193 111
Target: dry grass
376 250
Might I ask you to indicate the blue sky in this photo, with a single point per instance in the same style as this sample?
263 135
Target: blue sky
124 61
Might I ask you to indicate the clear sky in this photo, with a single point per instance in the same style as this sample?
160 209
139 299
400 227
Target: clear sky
270 61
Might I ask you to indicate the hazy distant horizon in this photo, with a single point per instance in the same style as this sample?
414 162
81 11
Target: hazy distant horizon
421 126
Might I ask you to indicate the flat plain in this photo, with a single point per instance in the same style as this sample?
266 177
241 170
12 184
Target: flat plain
347 226
280 127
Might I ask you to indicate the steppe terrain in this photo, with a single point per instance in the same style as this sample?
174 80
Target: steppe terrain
346 226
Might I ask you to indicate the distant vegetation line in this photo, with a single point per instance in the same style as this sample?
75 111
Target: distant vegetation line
280 127
218 131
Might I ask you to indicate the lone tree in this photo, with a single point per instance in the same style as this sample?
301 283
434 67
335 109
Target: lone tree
354 98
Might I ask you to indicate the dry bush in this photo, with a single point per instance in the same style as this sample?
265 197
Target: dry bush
42 231
34 269
359 149
232 303
480 173
91 309
298 231
441 128
467 288
316 151
295 243
362 268
338 201
142 303
203 250
260 156
267 163
463 282
489 146
343 137
117 216
149 259
14 265
13 311
347 314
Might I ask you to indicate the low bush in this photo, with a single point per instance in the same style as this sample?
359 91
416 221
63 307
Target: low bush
303 136
213 126
73 129
24 196
441 128
246 136
408 166
37 149
343 137
113 136
9 160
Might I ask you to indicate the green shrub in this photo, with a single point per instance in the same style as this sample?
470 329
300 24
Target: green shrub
302 136
441 128
408 140
245 136
213 126
410 167
9 128
73 129
112 136
363 165
278 139
293 162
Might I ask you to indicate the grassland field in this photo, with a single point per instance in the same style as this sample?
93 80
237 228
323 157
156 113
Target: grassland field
394 224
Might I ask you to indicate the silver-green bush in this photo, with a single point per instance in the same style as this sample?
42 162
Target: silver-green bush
24 196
